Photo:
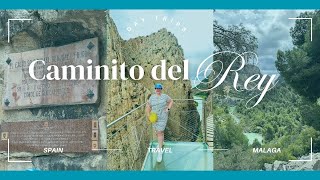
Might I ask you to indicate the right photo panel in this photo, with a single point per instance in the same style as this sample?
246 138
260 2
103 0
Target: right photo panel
264 86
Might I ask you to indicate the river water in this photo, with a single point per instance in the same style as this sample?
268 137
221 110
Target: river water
199 100
251 136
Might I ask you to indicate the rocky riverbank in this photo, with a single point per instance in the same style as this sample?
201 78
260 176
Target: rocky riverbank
306 164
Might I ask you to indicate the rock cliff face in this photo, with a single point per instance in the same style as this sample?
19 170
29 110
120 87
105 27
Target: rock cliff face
122 97
135 132
132 134
296 165
148 51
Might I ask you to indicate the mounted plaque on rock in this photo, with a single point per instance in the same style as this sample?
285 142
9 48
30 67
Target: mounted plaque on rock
54 136
23 91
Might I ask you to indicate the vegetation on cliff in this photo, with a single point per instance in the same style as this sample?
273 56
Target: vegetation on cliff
286 118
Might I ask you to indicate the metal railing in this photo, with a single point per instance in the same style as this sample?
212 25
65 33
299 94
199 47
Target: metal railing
129 136
209 124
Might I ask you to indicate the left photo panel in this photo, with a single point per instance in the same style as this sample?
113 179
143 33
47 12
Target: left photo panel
53 107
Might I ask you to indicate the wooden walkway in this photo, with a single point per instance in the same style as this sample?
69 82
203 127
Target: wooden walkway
210 130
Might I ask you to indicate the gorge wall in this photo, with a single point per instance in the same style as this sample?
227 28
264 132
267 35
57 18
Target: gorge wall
135 134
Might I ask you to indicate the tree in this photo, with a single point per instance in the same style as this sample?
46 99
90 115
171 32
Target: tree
310 114
269 132
299 31
237 158
226 90
256 144
300 66
233 38
226 132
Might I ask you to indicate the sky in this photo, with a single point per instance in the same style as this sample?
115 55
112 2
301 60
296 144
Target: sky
196 40
271 27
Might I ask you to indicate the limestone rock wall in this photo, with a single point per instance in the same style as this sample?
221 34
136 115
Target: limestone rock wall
148 51
133 133
53 28
313 165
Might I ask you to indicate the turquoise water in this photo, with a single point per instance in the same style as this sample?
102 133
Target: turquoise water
200 105
188 156
253 136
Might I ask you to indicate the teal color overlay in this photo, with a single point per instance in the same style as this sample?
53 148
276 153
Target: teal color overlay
161 4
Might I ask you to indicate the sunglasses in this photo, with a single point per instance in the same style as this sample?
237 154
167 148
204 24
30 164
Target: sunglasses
158 88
